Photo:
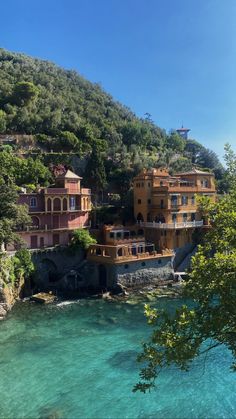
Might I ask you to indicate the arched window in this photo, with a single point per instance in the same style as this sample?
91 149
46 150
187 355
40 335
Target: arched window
119 252
35 221
33 202
57 204
64 204
139 217
49 204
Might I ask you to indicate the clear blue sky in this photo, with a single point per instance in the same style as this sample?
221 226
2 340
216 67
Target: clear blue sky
175 59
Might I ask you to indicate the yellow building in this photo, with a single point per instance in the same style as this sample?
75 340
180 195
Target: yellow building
166 205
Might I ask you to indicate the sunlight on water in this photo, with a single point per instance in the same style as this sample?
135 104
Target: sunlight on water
78 361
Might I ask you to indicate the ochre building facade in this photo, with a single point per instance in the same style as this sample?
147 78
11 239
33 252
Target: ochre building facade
166 206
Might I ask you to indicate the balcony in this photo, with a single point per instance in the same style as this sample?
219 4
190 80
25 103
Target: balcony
172 226
48 227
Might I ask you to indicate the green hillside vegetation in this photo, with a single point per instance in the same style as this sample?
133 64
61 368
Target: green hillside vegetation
71 120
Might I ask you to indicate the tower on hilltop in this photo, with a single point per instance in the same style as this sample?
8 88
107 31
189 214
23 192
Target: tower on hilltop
183 132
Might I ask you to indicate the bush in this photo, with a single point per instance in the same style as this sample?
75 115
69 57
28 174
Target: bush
82 239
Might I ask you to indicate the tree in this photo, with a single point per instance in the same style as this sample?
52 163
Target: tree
95 172
208 159
177 339
175 142
24 93
12 215
3 121
68 141
81 239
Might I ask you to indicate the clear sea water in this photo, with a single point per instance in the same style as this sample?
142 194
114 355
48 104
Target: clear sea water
79 361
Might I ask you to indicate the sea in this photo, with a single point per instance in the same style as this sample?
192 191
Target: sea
77 359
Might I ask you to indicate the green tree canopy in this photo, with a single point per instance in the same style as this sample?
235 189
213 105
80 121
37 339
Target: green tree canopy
24 92
82 239
12 215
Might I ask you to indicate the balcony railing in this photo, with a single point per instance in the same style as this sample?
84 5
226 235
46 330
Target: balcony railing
175 206
169 226
48 227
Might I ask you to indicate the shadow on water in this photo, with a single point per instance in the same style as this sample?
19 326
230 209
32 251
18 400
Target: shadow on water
124 360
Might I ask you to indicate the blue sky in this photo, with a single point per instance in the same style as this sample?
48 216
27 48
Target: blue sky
175 59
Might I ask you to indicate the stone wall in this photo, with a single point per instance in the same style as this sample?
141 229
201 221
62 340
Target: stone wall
133 274
181 253
152 272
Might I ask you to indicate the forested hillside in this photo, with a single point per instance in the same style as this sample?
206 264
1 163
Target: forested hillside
74 122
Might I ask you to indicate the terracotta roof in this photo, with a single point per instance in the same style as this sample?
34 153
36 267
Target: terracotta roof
193 172
69 175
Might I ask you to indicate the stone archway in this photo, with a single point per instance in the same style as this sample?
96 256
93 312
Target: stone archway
49 270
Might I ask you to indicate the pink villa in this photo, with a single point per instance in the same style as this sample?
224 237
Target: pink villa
56 211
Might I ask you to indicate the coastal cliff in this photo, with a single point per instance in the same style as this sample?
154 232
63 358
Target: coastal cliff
14 279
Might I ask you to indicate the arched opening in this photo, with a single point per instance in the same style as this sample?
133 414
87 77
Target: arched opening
140 217
49 270
160 218
49 205
102 276
119 252
149 217
64 204
35 222
57 204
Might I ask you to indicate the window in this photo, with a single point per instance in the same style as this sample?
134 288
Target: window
174 218
72 202
149 201
139 201
162 203
185 216
161 183
193 200
149 184
193 216
204 183
33 202
184 200
112 235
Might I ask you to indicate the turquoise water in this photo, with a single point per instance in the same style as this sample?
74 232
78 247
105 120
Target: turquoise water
78 361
